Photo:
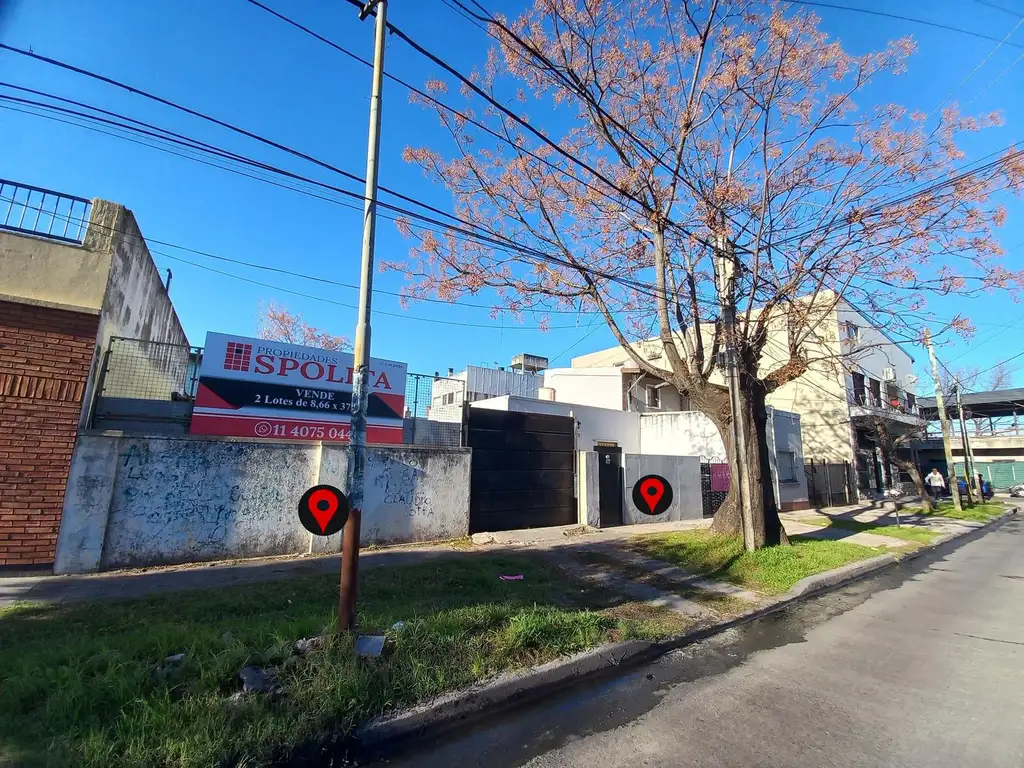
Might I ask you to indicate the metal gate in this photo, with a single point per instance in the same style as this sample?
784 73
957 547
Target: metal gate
829 485
523 470
713 489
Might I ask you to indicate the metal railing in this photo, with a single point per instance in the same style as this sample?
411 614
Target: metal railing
149 370
42 212
434 408
897 402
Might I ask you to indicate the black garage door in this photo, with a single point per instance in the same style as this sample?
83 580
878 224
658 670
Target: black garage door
522 471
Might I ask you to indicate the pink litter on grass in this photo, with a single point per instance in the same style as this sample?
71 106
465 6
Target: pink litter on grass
517 577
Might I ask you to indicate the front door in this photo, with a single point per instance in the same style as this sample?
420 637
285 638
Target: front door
609 482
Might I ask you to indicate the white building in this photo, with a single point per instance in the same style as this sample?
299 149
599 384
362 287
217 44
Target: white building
450 394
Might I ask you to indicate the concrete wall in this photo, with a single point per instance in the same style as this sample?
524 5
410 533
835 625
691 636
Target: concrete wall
874 351
588 492
136 305
682 473
687 433
72 276
138 501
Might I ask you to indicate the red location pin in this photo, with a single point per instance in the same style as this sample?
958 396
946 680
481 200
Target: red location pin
652 495
652 490
323 504
323 510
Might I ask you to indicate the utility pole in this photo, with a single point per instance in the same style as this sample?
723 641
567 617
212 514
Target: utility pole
944 420
361 377
727 302
965 441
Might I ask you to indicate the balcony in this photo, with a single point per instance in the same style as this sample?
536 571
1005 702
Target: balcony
892 403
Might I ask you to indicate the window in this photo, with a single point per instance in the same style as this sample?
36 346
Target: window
653 397
852 332
786 461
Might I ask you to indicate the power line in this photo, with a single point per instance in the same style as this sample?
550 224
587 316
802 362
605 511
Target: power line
936 25
434 100
645 288
585 96
353 306
468 82
13 202
500 242
928 188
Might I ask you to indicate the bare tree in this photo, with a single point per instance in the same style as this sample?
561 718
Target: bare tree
895 442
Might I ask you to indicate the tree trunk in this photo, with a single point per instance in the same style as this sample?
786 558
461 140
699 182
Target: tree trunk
768 530
912 469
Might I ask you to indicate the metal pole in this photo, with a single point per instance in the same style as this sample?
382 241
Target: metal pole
361 378
968 456
947 436
726 268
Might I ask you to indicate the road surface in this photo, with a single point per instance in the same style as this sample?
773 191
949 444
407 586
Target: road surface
920 666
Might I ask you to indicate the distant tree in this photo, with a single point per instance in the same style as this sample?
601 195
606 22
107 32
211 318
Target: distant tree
891 438
277 323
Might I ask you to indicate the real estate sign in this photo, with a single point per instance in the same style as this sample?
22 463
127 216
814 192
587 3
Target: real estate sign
260 388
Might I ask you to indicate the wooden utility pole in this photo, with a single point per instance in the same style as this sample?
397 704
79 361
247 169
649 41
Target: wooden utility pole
968 457
361 381
947 431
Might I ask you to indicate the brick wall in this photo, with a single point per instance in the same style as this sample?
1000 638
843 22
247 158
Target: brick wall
45 357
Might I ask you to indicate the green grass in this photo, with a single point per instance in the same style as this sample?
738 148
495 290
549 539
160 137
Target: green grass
915 533
979 513
78 687
772 570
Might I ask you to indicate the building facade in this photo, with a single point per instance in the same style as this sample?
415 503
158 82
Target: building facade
74 274
449 395
856 376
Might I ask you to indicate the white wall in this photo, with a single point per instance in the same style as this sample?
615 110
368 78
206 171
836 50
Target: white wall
875 351
598 387
788 438
686 433
593 424
140 501
682 473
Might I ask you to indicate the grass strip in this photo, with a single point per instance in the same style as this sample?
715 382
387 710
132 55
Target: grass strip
771 570
83 684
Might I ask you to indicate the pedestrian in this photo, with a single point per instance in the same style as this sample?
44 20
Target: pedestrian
935 482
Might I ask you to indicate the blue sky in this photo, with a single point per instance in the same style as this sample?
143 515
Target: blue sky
234 61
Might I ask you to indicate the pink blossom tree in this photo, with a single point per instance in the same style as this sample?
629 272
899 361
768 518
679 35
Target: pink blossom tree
696 140
277 323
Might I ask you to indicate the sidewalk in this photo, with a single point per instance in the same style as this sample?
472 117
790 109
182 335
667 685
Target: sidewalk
128 584
580 542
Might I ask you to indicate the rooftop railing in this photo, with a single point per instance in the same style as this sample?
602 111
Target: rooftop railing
42 212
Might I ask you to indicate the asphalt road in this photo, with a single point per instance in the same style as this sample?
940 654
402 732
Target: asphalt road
920 666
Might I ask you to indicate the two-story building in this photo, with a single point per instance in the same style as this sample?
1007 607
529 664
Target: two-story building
74 274
857 374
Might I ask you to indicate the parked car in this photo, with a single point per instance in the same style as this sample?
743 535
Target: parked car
1017 490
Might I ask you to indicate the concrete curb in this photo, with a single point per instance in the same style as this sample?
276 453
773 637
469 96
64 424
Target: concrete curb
821 581
504 690
531 683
